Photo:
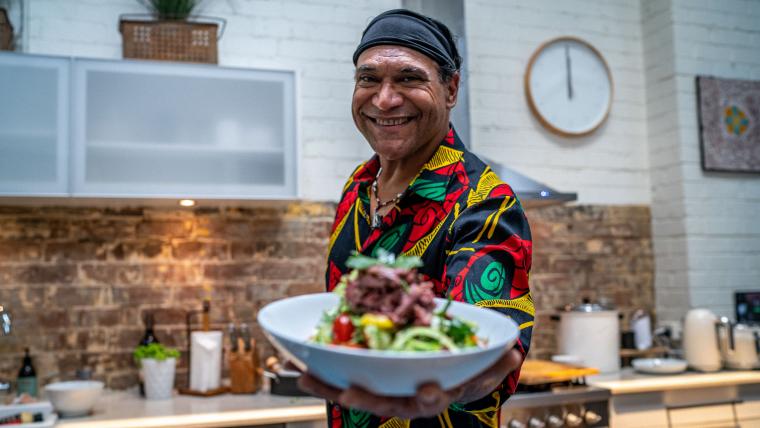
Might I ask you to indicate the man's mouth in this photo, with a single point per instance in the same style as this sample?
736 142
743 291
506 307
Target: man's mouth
391 121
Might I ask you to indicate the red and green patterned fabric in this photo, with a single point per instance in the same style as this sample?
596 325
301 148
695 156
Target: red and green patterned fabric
472 235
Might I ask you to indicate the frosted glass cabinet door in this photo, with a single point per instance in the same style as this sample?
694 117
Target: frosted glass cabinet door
34 103
146 129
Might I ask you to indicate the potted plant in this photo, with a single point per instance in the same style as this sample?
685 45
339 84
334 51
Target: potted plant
158 365
171 32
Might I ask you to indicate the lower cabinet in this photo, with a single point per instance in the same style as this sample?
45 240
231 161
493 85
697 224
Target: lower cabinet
718 407
708 416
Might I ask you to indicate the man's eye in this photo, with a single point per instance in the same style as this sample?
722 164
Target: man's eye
366 79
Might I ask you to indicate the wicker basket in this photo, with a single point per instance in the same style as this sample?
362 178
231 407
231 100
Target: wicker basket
6 31
169 40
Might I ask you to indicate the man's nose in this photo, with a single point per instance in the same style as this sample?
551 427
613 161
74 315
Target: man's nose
387 97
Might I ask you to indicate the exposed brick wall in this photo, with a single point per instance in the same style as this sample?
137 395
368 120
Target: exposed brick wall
79 280
599 252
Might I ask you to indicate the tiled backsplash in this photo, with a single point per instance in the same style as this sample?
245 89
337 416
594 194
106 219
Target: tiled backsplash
78 281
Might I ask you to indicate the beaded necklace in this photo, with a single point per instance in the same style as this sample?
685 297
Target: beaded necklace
377 219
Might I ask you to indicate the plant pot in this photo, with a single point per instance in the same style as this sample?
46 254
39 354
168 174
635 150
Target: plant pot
188 41
159 378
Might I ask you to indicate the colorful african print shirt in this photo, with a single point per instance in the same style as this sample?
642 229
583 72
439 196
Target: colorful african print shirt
472 235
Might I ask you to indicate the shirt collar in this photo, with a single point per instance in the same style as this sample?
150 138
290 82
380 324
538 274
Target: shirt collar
433 179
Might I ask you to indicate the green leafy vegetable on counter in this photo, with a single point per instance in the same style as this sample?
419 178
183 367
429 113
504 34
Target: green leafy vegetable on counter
155 351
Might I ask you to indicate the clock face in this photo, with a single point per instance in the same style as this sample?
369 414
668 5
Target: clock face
569 87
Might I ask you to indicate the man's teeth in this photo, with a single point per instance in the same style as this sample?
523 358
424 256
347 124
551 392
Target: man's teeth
391 122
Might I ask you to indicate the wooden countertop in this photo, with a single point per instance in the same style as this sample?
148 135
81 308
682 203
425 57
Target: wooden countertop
125 409
630 382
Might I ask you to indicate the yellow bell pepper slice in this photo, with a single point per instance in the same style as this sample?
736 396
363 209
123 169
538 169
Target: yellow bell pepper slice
378 320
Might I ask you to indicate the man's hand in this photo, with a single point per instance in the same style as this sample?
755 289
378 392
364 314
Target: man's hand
430 399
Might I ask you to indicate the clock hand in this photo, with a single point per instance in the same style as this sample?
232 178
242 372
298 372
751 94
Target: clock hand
568 73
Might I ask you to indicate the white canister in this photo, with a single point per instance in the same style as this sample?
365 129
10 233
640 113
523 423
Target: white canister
591 332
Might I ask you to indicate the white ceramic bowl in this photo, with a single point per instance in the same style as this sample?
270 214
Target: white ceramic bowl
659 365
291 323
74 398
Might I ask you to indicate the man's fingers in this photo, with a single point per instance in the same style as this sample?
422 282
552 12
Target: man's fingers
359 398
512 360
432 399
488 379
317 388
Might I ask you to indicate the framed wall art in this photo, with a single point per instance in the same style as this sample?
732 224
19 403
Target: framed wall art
729 124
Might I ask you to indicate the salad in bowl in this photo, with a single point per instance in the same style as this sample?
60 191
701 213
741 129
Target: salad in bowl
383 329
385 305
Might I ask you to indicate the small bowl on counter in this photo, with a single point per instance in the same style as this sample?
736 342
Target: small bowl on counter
659 365
74 398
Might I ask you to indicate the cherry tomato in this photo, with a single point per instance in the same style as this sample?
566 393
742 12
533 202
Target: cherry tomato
343 329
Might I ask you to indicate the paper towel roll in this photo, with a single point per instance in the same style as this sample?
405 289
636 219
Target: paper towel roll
205 360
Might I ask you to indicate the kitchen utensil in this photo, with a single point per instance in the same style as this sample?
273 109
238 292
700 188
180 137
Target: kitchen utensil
700 340
627 340
738 345
536 372
243 362
659 365
74 398
591 331
290 324
641 324
5 322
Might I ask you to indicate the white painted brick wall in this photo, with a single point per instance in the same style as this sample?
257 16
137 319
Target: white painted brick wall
718 38
706 233
610 166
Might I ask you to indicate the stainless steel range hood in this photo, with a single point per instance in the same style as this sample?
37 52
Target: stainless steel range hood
532 194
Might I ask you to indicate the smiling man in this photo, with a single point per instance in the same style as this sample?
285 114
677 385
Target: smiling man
424 194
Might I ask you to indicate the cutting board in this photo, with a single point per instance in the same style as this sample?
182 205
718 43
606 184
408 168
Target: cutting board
537 372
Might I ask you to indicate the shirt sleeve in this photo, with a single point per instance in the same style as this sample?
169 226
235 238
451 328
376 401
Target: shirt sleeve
487 264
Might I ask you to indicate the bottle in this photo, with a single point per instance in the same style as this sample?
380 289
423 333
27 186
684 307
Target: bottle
27 377
148 338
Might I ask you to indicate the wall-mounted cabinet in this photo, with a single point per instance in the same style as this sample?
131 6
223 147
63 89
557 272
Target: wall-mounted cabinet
34 125
142 129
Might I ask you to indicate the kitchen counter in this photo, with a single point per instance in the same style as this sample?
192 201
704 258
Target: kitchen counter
125 409
627 381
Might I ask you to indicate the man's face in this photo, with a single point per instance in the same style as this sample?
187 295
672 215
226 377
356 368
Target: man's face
400 104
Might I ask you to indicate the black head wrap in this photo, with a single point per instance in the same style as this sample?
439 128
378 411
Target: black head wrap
410 29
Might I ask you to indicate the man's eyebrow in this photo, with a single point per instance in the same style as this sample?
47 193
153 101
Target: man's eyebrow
416 70
365 67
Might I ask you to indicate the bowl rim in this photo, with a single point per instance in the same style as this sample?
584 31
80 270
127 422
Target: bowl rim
511 333
78 385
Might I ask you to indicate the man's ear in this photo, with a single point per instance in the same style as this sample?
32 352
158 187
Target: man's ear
452 90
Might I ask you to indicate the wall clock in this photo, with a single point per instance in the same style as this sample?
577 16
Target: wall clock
569 87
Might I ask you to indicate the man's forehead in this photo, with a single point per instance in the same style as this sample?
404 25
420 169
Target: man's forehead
401 54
